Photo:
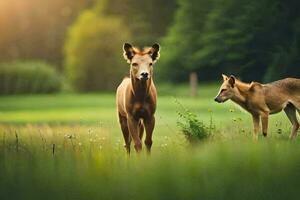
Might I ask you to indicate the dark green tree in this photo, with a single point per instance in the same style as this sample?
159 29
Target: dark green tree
285 55
250 39
93 52
147 20
183 39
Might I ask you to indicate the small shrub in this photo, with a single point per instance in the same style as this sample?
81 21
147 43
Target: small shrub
28 77
93 52
193 129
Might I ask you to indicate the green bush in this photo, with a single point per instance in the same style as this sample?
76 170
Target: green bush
20 77
193 129
93 52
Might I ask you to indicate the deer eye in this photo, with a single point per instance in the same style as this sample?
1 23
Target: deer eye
134 64
150 64
223 90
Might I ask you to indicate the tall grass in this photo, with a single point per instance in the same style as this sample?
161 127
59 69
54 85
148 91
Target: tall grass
90 164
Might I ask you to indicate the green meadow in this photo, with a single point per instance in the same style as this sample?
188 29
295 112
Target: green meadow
70 146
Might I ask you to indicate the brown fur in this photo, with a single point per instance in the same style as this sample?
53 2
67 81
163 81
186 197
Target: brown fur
136 97
261 100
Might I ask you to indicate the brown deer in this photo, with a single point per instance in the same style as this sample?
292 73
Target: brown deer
136 96
262 100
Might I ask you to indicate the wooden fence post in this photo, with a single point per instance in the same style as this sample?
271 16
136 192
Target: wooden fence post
194 84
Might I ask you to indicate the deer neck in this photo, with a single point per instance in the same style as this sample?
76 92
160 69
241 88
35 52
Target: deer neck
140 88
240 96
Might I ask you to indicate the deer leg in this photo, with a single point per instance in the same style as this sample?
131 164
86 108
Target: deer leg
297 106
149 126
264 122
133 126
255 119
141 129
126 135
290 111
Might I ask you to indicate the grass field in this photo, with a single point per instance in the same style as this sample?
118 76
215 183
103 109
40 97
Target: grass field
69 146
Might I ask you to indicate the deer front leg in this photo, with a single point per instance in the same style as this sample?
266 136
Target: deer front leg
125 130
255 119
264 122
133 126
149 126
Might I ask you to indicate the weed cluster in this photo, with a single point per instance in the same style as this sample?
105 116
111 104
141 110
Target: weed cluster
193 129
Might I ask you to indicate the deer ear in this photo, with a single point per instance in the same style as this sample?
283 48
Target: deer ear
154 53
225 78
128 52
231 81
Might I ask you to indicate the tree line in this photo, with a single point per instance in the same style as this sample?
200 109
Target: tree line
252 39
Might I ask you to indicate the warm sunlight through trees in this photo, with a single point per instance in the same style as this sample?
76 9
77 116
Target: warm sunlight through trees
35 29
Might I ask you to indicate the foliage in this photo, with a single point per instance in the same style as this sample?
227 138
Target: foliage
182 39
256 40
28 77
147 20
253 39
40 33
35 29
93 48
286 56
94 52
193 129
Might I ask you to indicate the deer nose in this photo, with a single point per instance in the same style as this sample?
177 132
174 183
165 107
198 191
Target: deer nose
144 74
216 99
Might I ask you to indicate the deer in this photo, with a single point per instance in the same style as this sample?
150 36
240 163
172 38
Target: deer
136 96
262 100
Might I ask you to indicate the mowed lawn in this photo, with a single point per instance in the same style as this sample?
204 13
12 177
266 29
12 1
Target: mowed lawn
69 146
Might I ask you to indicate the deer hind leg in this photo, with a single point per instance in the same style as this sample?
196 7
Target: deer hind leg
290 111
125 130
297 106
149 126
141 129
